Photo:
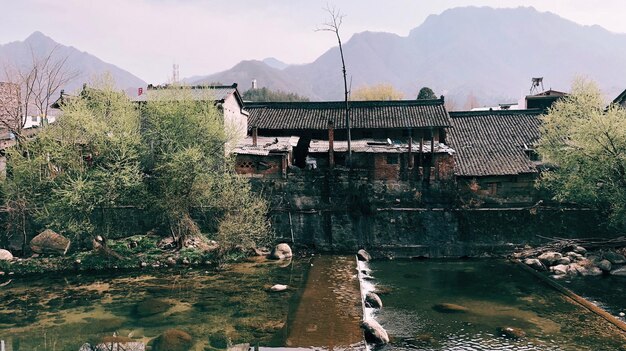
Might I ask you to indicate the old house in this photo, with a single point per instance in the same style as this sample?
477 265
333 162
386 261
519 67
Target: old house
544 99
225 97
495 154
392 140
264 156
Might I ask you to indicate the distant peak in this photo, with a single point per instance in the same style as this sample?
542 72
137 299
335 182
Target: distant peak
38 36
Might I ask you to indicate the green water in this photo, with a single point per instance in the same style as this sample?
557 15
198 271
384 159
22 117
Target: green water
496 294
64 312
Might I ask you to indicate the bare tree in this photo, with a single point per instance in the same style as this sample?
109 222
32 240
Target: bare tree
34 87
333 25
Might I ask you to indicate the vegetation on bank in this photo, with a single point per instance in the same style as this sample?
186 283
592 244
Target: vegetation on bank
583 143
166 158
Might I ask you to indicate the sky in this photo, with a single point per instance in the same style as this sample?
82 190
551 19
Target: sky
146 37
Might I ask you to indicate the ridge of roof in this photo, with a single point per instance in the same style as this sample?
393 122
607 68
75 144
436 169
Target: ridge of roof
342 104
534 111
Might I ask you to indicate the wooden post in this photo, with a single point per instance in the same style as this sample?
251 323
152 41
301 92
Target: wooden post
432 147
410 152
255 135
331 144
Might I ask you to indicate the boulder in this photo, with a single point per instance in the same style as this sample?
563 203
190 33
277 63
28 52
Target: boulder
511 333
614 257
281 251
278 287
449 308
559 269
588 270
363 255
374 332
5 255
172 340
564 260
574 256
579 250
49 242
549 258
535 264
605 265
619 271
372 300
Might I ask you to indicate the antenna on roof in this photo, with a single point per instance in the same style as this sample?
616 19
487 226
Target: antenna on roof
175 74
534 88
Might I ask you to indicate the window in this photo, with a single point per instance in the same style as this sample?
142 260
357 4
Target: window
392 159
33 118
493 188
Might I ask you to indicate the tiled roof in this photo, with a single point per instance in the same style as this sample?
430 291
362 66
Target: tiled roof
363 114
200 93
266 145
493 142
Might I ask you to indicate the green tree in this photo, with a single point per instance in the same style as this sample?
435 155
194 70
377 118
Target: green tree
187 169
376 92
85 162
587 144
426 93
267 95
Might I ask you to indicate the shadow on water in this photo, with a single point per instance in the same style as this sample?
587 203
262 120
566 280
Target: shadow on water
464 305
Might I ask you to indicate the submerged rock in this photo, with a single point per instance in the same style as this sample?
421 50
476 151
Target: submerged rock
374 332
172 340
372 300
278 287
363 255
281 251
549 258
5 255
535 264
511 332
450 308
150 307
49 242
220 340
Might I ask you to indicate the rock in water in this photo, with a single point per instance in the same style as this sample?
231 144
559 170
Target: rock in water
614 257
559 269
619 271
5 255
281 251
372 300
449 308
150 307
363 255
535 264
50 242
279 287
550 257
220 340
511 333
605 265
580 250
172 340
374 332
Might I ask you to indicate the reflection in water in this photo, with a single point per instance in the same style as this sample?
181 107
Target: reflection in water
65 312
483 297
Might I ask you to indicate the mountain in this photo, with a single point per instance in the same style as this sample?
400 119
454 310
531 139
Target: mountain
86 65
275 63
489 53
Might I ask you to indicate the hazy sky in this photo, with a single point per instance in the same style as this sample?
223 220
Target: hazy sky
146 37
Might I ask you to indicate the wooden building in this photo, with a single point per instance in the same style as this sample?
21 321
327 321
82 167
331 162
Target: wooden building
395 140
494 152
264 156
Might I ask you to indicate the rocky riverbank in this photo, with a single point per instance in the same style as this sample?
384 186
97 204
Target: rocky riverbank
570 259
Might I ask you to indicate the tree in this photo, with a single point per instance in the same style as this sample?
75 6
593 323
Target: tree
85 162
426 93
36 84
334 25
587 144
376 92
187 169
267 95
471 101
